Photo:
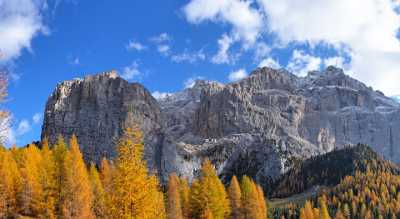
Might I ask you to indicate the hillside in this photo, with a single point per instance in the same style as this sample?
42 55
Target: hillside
330 169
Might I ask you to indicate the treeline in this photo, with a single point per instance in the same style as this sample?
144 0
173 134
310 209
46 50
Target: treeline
54 182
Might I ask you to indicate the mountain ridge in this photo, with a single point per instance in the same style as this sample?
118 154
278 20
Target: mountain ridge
255 126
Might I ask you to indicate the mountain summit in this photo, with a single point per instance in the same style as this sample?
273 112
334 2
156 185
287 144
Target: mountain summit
256 126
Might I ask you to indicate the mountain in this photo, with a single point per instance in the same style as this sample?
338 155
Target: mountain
258 126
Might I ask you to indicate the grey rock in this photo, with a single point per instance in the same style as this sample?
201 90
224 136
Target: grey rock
257 126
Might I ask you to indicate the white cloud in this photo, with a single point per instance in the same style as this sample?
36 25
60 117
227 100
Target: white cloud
223 56
20 22
162 38
23 127
163 49
131 71
189 57
75 61
237 75
269 62
133 45
37 118
261 50
160 95
190 82
367 28
301 63
246 21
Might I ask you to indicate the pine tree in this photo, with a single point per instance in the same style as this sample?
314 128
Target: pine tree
174 210
235 196
134 193
184 190
99 206
76 191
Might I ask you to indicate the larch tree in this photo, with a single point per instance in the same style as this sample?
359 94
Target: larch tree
213 192
31 199
324 209
235 196
76 190
135 194
184 191
48 180
174 209
59 151
261 201
99 206
250 201
10 185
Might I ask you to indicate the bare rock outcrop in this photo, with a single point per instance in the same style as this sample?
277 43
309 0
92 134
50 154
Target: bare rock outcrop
257 126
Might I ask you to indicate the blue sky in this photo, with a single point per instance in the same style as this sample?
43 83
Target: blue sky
166 44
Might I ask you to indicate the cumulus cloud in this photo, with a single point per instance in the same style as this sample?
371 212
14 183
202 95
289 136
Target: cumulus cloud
301 63
223 56
246 21
237 75
134 45
132 71
367 28
20 22
164 49
269 62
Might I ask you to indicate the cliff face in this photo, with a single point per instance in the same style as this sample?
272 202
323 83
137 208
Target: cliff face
256 126
97 109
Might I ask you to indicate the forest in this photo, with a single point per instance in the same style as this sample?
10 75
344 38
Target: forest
53 181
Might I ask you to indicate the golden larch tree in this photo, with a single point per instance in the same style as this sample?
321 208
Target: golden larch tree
47 172
174 209
76 191
99 206
235 196
184 190
135 194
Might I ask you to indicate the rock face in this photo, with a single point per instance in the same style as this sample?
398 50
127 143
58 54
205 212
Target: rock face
256 126
97 109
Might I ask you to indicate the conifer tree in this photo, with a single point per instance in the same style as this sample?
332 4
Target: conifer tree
134 193
250 199
184 193
59 151
31 198
174 210
214 192
235 196
261 201
48 180
197 200
10 184
324 210
99 206
76 191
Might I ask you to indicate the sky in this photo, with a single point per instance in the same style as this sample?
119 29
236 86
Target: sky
167 45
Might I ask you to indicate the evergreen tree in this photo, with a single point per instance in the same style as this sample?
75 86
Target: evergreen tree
134 193
235 196
76 191
174 209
